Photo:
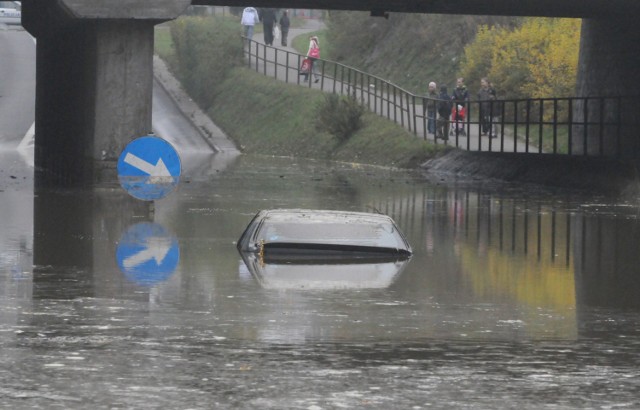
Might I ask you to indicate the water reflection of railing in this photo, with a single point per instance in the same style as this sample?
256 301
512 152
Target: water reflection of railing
514 226
590 247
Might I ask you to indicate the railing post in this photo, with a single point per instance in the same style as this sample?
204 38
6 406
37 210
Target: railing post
570 128
468 135
492 133
555 126
467 119
585 125
458 134
275 64
401 108
619 130
264 59
257 56
515 128
375 95
388 102
542 123
369 91
286 72
247 43
335 76
526 132
395 106
415 119
502 113
425 109
601 134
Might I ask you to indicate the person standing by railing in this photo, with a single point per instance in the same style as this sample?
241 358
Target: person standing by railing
460 98
249 20
486 95
460 94
429 106
444 113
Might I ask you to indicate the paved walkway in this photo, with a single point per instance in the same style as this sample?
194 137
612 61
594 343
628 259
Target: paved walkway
282 63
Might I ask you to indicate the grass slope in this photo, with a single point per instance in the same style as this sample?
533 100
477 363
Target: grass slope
264 116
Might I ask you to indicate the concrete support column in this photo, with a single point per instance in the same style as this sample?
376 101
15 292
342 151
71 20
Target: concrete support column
94 82
608 65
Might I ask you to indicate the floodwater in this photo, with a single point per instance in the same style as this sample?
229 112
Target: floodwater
515 298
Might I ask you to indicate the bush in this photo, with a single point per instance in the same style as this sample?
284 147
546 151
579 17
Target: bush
340 116
537 59
206 49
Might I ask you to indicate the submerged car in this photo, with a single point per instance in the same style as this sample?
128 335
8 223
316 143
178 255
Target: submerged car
299 234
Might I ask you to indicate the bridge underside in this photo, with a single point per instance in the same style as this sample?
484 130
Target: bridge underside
537 8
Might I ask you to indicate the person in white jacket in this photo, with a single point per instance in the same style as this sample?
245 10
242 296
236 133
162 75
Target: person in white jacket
249 19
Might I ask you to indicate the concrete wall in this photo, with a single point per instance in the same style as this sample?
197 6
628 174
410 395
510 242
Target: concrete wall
609 65
576 172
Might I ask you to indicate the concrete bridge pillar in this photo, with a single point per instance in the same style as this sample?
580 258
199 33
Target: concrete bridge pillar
609 65
94 80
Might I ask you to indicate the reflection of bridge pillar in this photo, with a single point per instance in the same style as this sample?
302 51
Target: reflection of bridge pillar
608 65
74 242
94 79
607 262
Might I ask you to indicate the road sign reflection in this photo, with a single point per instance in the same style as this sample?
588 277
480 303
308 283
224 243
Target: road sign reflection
147 254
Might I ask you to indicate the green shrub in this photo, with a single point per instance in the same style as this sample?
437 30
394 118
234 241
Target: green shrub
206 49
340 116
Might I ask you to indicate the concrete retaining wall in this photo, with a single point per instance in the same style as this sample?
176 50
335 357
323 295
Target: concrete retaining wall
595 174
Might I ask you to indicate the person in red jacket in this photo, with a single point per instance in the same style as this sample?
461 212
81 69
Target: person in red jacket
313 54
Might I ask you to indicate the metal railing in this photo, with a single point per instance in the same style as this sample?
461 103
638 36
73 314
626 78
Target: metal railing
585 126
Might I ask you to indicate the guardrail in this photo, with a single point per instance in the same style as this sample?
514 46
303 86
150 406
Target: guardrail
585 126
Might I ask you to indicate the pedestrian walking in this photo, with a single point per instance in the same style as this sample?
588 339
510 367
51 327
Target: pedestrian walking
313 54
268 18
249 19
284 27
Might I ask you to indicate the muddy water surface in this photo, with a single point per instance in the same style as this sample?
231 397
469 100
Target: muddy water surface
514 297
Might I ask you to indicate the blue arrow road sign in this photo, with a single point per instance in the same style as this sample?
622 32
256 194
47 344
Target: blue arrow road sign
147 254
149 168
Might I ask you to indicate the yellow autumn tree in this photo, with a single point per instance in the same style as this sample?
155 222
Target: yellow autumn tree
554 72
478 55
538 59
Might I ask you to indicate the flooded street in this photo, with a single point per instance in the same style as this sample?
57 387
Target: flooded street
513 298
